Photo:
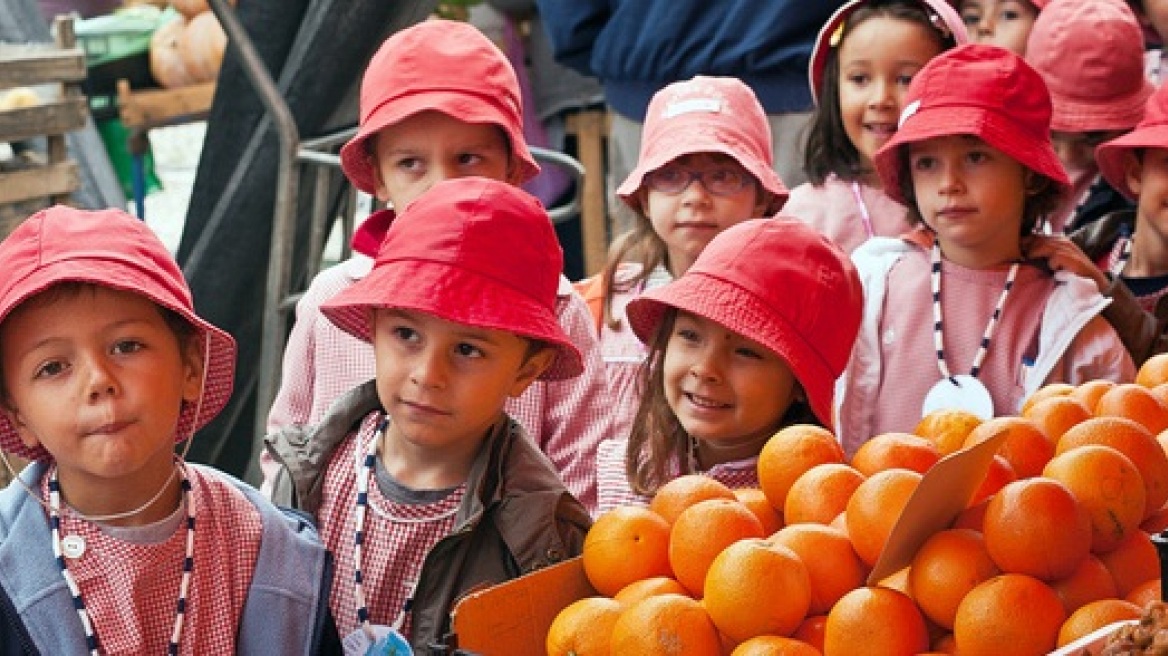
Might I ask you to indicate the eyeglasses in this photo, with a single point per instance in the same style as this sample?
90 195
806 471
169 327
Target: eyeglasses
719 182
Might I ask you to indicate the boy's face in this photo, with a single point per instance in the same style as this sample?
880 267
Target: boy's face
726 390
1004 23
426 148
1148 177
877 61
687 220
443 384
1076 151
97 377
972 195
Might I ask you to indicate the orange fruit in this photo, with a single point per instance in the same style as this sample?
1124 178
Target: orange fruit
1011 614
1160 392
947 566
1045 392
684 491
1036 526
833 568
895 451
821 493
757 503
1145 593
743 583
1089 582
657 585
999 474
811 631
1156 522
1108 485
774 646
1134 562
1026 448
1154 371
583 627
666 625
1090 392
1055 415
972 517
947 429
945 644
1132 440
701 532
874 508
897 580
1096 615
625 544
1133 402
875 621
791 452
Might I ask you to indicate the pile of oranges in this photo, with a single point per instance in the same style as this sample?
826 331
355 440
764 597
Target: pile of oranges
1054 544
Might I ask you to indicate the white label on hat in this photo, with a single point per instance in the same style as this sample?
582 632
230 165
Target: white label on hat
909 110
690 105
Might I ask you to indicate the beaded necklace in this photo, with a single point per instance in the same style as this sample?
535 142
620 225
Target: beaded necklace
1120 263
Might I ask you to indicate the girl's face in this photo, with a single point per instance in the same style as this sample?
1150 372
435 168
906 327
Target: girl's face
97 377
972 195
1148 177
688 219
877 60
728 392
1076 151
1003 23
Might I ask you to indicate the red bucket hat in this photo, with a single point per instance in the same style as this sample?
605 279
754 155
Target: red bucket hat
780 283
706 115
1090 53
1151 132
984 91
112 249
944 18
473 251
441 65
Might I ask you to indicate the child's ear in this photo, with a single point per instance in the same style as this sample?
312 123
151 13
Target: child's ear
27 437
1034 183
1133 171
761 202
193 372
534 365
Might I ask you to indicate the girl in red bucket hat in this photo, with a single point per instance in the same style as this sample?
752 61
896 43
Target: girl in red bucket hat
423 485
438 100
748 340
109 541
705 165
973 161
1005 23
863 59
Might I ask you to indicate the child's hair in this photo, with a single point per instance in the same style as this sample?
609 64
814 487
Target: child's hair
985 92
777 282
713 115
829 149
61 250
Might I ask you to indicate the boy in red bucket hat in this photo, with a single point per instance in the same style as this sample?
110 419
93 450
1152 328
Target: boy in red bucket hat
423 486
1090 54
104 367
1005 23
438 101
748 340
972 160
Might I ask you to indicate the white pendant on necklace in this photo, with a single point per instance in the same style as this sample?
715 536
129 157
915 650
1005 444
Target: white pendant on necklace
73 546
961 392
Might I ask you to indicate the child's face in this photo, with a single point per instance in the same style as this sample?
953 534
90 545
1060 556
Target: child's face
443 384
1004 23
972 195
688 219
1156 13
1148 177
1076 150
429 147
97 377
877 60
726 390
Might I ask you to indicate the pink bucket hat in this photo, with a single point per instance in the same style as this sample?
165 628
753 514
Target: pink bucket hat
112 249
941 14
1090 53
1151 132
473 251
706 115
780 283
984 91
441 65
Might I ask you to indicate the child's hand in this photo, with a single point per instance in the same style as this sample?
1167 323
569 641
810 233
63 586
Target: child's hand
1062 254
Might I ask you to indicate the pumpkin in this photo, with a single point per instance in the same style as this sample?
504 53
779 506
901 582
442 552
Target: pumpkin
166 62
201 45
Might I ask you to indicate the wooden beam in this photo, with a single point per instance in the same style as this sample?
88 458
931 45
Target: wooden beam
44 119
39 182
158 107
31 64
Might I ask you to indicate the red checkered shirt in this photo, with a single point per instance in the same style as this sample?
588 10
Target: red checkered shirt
393 552
567 419
130 590
612 484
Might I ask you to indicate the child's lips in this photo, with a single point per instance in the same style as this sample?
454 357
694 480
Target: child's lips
110 428
885 130
706 402
423 408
